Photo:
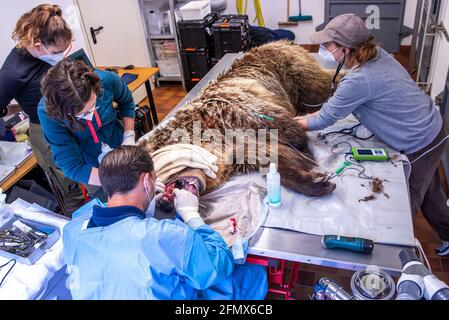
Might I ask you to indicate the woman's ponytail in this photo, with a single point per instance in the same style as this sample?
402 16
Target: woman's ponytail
45 24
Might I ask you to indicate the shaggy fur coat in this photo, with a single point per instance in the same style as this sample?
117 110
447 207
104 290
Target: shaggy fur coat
272 80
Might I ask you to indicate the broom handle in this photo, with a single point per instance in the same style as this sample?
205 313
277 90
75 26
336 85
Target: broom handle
288 9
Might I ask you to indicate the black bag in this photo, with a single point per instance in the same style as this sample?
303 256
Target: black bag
143 121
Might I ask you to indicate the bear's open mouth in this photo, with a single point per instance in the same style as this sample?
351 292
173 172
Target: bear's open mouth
189 183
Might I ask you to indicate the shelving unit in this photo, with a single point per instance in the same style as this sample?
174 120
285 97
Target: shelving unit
169 66
423 41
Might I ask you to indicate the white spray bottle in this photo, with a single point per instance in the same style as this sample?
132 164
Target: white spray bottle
274 187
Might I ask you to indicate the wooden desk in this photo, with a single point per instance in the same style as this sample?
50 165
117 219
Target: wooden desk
143 77
20 172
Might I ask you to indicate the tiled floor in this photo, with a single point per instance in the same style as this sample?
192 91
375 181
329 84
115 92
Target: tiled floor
168 96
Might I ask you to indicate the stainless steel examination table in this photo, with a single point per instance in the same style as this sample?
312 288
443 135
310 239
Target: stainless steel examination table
296 246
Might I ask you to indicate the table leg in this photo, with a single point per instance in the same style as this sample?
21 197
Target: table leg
151 100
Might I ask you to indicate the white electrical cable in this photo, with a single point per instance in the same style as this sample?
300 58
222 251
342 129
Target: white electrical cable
313 105
301 154
407 161
433 148
421 251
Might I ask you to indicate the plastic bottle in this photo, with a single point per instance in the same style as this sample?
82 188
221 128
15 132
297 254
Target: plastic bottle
155 20
274 186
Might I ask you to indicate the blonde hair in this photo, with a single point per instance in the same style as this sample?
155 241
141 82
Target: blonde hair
43 23
366 51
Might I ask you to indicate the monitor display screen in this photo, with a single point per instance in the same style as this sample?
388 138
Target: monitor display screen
365 152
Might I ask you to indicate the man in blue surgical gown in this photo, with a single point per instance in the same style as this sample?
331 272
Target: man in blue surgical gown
122 252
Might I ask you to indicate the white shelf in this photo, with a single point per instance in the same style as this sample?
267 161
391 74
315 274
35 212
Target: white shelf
161 78
162 37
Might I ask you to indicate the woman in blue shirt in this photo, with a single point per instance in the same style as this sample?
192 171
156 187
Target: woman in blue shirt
78 118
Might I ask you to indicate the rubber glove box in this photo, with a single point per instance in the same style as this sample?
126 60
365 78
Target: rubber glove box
37 253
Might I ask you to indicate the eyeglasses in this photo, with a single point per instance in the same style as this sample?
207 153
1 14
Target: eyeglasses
65 52
82 115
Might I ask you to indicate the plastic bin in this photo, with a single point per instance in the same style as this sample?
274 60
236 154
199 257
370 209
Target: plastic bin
231 34
195 63
38 252
195 10
190 84
197 33
169 68
213 62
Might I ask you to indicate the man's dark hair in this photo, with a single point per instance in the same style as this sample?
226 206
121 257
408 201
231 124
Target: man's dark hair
122 167
66 89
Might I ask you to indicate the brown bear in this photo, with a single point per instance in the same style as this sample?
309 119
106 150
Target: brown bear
265 89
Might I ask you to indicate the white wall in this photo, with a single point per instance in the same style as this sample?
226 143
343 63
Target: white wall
276 10
11 10
440 59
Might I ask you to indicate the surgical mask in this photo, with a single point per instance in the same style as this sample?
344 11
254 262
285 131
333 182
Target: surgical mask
326 55
52 59
152 205
89 115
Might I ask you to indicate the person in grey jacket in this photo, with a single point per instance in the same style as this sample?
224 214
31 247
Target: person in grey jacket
380 93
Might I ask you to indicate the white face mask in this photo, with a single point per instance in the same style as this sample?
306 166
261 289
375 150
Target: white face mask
52 59
89 115
152 205
326 55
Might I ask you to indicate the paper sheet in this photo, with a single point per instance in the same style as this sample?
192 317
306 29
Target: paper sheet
241 201
384 220
6 171
14 153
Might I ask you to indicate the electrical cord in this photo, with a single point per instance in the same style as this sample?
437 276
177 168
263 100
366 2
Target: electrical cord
4 277
340 143
421 252
409 163
358 167
431 149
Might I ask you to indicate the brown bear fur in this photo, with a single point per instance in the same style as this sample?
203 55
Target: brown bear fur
273 80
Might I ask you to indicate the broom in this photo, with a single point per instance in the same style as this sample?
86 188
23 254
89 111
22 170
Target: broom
288 23
300 17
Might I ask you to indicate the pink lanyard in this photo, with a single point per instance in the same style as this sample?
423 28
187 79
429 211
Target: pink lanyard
91 126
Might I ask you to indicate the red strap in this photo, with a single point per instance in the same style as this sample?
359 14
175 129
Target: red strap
92 131
85 195
97 118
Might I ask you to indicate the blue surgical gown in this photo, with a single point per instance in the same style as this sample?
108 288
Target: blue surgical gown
147 258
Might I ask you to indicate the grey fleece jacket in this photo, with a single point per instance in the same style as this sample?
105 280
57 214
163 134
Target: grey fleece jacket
385 99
